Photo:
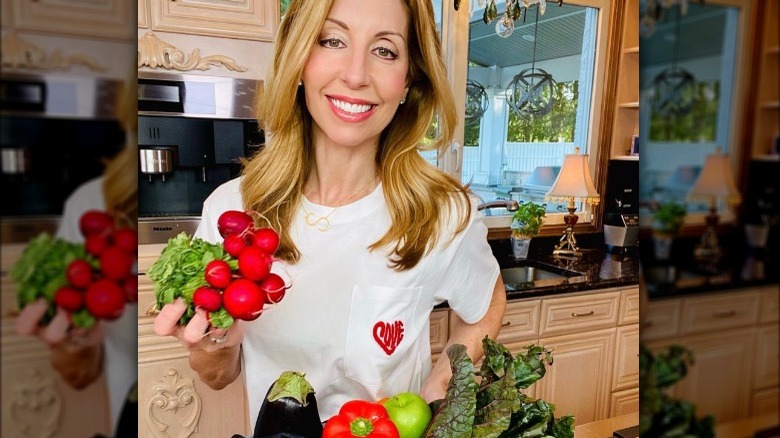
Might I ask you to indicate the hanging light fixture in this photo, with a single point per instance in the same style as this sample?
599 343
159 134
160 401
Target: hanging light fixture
674 89
506 24
476 101
532 91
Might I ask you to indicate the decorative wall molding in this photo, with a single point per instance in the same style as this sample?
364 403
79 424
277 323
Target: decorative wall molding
18 53
35 408
155 53
174 402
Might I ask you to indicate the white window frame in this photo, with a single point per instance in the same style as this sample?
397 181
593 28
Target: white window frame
455 33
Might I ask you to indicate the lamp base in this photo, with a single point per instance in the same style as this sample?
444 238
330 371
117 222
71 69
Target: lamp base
567 246
708 246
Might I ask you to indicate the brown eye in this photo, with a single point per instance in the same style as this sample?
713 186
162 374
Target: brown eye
333 43
385 53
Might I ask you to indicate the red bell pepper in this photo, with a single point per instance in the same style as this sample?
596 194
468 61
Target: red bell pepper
359 418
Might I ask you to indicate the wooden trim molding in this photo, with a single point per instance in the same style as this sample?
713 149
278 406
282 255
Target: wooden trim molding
173 395
35 406
156 53
20 54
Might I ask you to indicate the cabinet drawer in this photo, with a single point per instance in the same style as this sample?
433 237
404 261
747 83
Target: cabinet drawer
520 322
629 306
661 319
769 304
574 314
440 330
718 312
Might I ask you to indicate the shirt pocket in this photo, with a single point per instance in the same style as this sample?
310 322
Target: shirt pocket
382 335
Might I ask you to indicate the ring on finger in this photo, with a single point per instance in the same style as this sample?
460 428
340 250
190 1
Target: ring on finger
219 340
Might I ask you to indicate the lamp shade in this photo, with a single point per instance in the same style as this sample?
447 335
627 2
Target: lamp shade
715 181
574 181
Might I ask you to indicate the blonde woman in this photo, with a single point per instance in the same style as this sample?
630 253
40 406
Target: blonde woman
109 347
372 237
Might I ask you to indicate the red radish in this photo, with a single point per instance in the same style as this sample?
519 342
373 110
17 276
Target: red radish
168 318
207 298
115 263
96 244
127 240
218 274
254 263
266 239
274 287
95 222
243 299
233 222
130 286
69 299
234 243
79 273
105 299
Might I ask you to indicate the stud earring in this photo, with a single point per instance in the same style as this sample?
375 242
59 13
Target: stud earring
300 83
403 101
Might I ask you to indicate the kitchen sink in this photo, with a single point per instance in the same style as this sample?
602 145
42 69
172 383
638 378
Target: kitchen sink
529 276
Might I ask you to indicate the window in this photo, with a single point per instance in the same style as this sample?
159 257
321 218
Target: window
506 154
688 81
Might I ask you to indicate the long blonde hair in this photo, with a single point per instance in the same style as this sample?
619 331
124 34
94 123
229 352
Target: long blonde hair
120 176
417 194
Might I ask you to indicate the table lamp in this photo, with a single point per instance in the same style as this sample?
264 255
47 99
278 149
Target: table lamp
573 182
715 183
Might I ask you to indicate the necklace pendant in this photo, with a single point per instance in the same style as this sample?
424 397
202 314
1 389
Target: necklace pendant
321 223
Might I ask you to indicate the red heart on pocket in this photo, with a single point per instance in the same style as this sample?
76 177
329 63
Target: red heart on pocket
388 335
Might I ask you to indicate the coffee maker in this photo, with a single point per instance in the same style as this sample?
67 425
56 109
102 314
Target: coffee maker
56 132
192 132
621 209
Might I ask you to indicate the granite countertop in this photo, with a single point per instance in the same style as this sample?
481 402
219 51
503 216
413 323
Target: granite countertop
738 267
596 269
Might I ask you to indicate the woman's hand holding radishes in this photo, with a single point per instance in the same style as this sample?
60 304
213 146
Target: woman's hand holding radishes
62 284
203 288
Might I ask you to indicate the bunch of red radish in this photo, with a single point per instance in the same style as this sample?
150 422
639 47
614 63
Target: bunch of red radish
245 292
103 283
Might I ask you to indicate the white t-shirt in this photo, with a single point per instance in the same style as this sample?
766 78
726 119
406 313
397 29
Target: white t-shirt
357 328
121 342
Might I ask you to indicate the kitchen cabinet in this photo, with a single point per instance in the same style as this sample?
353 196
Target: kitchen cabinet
592 334
765 125
88 18
733 336
255 20
36 402
626 119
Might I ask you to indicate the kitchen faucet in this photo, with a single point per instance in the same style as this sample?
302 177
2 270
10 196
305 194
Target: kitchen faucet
510 205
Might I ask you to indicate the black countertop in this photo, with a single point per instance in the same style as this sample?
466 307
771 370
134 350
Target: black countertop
596 269
738 267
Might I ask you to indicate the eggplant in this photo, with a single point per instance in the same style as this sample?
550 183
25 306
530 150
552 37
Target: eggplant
289 409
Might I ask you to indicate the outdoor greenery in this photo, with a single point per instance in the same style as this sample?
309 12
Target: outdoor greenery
555 126
697 125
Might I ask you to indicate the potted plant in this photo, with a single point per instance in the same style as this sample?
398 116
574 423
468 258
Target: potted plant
667 220
526 223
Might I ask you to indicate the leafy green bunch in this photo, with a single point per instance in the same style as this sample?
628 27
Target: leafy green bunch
180 271
40 270
660 415
495 407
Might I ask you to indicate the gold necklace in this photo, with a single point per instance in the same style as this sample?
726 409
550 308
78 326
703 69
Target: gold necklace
322 223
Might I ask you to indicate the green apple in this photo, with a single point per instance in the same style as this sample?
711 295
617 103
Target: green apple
409 412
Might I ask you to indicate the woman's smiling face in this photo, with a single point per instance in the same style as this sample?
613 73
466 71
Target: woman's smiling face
356 74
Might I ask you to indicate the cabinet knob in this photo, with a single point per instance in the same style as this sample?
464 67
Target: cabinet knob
577 315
